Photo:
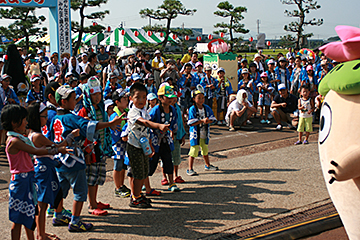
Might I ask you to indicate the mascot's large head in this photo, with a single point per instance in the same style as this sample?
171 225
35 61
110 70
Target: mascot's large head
339 136
14 67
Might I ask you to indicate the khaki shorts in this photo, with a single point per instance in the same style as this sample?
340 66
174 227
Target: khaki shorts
287 117
194 150
305 125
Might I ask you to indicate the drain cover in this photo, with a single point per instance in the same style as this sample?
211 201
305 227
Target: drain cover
327 209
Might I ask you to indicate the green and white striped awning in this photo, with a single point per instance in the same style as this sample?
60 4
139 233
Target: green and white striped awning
117 39
31 39
94 39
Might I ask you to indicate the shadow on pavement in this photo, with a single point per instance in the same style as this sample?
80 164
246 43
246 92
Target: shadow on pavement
194 212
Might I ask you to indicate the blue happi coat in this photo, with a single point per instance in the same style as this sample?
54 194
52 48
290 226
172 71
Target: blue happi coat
62 124
194 117
157 115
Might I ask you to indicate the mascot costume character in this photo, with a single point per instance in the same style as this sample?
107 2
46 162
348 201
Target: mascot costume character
339 141
14 67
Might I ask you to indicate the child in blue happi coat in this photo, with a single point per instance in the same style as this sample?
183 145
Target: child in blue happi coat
224 89
72 172
209 84
111 86
200 117
37 91
162 142
149 83
120 99
48 187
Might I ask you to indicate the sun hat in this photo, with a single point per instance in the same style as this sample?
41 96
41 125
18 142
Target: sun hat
198 64
166 91
94 85
244 70
157 52
207 67
35 77
63 92
151 96
108 103
282 59
5 76
271 61
220 69
281 86
257 56
135 77
264 74
309 68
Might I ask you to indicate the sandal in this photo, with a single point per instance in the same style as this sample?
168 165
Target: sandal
179 180
101 205
164 182
153 192
52 236
98 212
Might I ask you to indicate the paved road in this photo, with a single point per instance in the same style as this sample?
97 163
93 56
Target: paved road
221 139
248 190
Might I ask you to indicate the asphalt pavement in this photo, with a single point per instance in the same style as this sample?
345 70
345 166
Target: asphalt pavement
246 191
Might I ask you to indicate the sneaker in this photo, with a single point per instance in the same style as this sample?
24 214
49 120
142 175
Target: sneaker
263 121
223 122
66 213
268 122
164 182
248 122
211 168
80 227
278 127
190 172
143 188
139 203
174 188
121 193
179 180
50 212
147 200
64 221
126 189
231 129
298 142
153 192
306 142
219 123
270 116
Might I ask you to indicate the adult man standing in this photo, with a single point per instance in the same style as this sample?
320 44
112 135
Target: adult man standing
54 66
157 64
83 63
187 57
284 105
170 71
103 57
290 53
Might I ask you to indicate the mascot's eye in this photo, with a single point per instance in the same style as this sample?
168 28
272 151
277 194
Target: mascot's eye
214 66
357 66
325 123
341 65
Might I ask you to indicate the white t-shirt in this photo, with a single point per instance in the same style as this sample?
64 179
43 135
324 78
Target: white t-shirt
202 126
136 129
82 65
234 106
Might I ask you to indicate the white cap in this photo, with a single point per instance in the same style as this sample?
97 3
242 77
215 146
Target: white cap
220 69
157 52
257 55
108 103
281 86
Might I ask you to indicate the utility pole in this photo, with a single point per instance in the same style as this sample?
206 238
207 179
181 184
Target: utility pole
258 26
183 38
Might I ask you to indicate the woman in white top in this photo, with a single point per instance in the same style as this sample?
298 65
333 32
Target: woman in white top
111 68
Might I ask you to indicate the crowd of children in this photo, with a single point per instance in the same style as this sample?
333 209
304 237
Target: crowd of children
74 127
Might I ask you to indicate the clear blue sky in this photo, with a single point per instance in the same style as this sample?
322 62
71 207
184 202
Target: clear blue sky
269 12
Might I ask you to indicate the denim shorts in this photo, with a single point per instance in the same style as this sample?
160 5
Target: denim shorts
119 165
77 181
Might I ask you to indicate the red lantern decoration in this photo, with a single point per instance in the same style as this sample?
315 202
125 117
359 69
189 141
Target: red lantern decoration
222 34
251 39
123 32
198 38
268 43
149 33
174 36
210 37
136 33
94 24
187 38
6 57
108 29
161 34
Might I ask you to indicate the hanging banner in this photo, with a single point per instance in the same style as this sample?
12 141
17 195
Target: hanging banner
28 3
64 26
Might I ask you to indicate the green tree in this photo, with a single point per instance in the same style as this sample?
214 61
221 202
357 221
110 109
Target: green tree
168 10
25 23
287 41
81 5
303 7
227 10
